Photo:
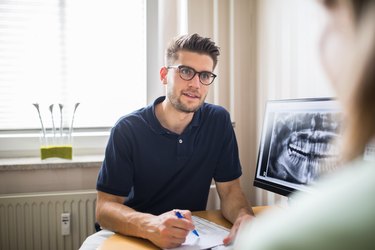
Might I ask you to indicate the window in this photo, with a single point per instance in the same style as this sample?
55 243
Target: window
69 51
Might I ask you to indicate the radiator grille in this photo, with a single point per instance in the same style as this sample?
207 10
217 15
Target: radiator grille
33 221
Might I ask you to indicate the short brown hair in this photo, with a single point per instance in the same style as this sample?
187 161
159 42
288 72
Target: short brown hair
192 43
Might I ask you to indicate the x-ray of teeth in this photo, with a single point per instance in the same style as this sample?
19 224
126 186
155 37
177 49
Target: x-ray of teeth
303 146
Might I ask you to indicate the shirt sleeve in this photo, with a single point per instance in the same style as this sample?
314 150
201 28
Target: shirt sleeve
228 165
116 174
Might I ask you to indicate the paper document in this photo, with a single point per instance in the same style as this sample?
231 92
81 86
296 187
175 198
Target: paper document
210 235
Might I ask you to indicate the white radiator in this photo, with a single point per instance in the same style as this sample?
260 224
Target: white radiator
213 201
33 221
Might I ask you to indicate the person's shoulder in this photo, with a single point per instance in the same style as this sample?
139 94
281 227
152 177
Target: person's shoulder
356 173
214 110
133 118
351 183
215 107
142 115
341 205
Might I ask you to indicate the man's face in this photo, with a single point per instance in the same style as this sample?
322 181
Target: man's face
187 96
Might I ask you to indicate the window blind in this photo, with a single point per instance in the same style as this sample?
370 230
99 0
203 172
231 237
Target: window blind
64 52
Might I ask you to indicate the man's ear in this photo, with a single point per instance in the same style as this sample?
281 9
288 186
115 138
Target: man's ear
163 75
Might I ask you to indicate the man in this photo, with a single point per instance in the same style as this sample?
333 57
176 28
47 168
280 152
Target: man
163 157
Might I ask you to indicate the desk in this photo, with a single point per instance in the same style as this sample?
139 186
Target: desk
121 242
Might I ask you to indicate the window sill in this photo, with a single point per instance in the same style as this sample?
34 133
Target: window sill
25 144
35 163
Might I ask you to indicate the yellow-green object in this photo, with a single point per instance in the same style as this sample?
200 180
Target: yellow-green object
63 151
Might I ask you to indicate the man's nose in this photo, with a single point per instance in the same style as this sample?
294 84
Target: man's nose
195 82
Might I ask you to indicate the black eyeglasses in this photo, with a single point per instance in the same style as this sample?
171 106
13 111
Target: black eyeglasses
187 73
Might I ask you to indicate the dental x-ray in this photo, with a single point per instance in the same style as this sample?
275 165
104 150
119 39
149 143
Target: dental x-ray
302 146
299 143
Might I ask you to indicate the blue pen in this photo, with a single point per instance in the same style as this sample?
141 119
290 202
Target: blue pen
180 216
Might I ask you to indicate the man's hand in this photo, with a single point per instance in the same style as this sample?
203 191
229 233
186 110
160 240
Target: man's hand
165 230
234 206
168 231
240 221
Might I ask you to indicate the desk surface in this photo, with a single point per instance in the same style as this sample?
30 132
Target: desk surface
120 242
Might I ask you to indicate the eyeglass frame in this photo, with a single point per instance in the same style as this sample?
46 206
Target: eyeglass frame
195 72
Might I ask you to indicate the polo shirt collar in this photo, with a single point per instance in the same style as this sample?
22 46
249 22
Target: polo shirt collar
155 124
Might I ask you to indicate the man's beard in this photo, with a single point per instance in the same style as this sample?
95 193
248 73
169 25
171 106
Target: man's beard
178 105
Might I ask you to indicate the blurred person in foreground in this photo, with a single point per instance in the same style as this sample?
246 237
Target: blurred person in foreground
341 213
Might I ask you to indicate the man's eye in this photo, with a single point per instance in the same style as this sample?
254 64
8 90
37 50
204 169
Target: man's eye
186 71
205 75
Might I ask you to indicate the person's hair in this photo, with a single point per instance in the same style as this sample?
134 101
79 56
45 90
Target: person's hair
359 6
192 43
360 127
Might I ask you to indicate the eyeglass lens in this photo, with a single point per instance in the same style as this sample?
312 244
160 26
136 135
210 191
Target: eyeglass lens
187 73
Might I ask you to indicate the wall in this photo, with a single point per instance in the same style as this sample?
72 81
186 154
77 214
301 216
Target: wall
32 175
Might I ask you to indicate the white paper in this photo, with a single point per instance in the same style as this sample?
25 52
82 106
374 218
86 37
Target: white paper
210 235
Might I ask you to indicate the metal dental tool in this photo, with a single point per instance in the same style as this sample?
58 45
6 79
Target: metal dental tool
53 122
61 119
71 125
36 105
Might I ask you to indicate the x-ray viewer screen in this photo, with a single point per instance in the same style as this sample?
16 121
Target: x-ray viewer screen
298 144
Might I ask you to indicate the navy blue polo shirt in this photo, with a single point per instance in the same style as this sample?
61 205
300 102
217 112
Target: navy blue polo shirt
159 170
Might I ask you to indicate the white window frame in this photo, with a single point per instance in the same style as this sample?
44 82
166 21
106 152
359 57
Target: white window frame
88 141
